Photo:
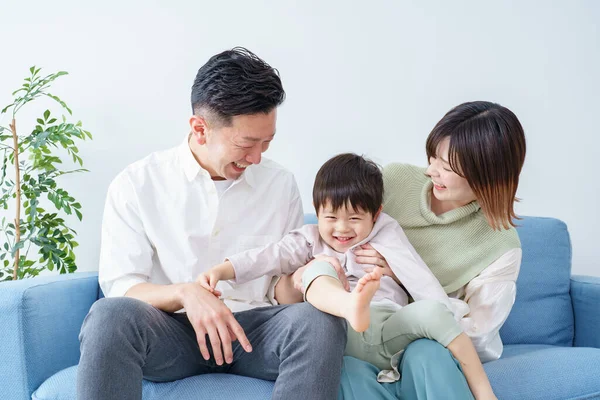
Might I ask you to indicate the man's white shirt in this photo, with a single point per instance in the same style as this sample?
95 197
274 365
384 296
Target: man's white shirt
165 222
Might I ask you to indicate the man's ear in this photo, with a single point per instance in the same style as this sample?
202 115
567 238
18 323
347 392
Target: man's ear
377 213
199 128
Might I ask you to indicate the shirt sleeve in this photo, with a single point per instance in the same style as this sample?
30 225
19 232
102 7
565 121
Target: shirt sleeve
125 251
296 213
295 221
280 258
490 297
409 267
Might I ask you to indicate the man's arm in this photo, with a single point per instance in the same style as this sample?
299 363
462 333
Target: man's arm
126 264
207 314
169 298
126 251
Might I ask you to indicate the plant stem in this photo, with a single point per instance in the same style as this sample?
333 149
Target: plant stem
13 128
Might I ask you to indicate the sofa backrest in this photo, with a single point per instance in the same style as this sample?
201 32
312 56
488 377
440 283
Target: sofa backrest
543 313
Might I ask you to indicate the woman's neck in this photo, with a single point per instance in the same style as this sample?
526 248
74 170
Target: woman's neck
439 207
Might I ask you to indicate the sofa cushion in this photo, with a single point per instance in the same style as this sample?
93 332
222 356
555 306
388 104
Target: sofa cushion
39 324
546 372
62 385
543 313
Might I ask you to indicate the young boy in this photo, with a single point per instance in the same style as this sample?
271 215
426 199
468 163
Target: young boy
348 196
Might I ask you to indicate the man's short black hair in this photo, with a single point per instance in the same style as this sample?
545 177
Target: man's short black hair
236 82
349 180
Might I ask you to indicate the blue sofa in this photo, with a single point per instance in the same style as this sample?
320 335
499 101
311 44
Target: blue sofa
552 340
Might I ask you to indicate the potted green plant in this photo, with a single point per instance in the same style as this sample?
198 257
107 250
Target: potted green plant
37 239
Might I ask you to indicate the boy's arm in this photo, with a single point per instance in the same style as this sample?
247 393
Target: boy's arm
280 258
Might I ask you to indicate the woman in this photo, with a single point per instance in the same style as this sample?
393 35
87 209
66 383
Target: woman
458 214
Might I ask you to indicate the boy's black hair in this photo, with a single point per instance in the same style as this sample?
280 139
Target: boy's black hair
349 180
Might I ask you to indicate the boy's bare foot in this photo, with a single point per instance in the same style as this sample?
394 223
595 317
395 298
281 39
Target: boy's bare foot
358 312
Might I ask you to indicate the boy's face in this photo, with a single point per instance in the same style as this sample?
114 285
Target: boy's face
345 227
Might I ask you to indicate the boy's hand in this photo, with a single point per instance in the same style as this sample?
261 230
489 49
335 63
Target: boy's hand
208 280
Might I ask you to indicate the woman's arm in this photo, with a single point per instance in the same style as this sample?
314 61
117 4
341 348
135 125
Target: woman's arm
490 297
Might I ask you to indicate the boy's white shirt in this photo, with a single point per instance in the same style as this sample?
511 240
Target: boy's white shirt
480 307
164 222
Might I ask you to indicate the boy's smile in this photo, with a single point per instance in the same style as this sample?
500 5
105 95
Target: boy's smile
345 227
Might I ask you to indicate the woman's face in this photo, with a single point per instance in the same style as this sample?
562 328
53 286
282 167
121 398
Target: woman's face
448 186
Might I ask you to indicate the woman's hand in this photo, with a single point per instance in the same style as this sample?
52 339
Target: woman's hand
366 254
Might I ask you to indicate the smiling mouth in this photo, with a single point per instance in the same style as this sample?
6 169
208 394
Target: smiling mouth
240 166
438 186
343 239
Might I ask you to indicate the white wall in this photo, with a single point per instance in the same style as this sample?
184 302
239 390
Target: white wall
372 79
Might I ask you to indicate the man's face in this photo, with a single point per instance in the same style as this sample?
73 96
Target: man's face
226 151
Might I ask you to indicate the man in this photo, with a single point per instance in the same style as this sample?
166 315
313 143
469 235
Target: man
176 213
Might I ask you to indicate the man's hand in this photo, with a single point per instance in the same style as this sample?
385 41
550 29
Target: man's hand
366 254
210 316
297 276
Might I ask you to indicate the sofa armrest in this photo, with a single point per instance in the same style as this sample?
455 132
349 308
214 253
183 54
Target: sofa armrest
585 293
40 319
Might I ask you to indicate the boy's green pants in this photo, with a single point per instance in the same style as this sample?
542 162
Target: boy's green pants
392 328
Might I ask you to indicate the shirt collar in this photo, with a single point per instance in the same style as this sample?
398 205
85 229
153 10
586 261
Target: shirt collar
190 166
249 176
192 169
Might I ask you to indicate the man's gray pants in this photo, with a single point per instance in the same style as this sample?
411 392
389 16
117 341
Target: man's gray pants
124 340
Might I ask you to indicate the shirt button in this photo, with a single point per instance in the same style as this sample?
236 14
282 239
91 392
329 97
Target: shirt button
216 232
